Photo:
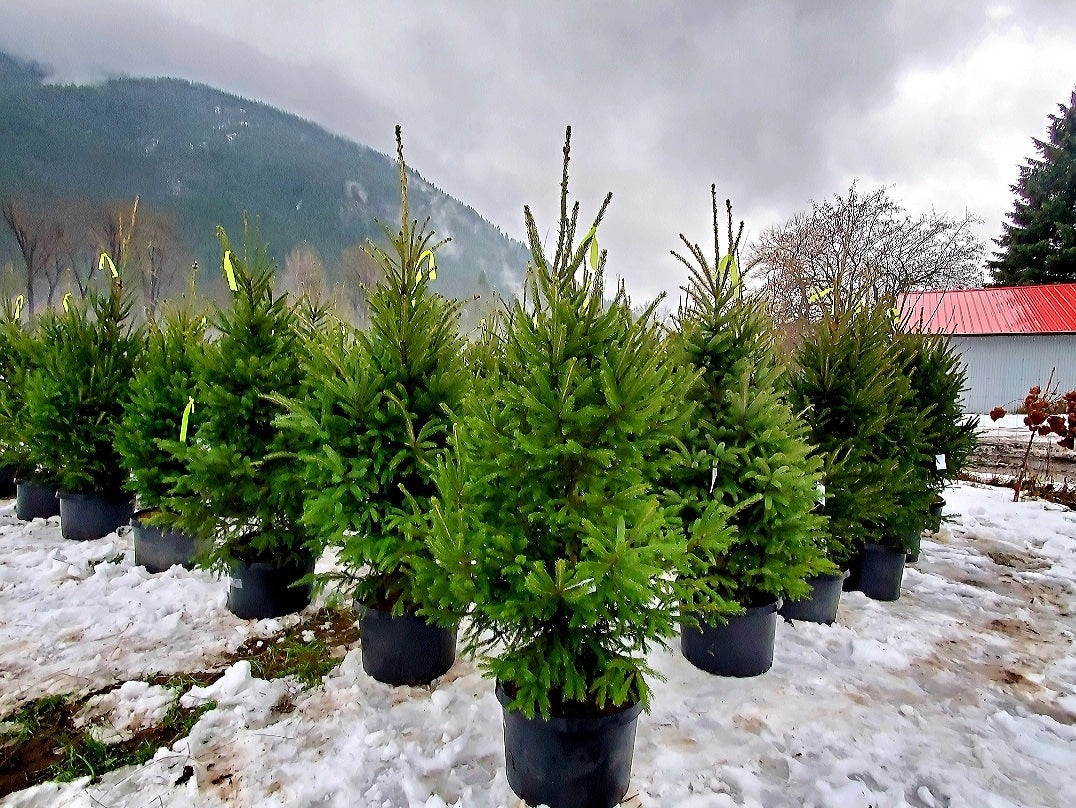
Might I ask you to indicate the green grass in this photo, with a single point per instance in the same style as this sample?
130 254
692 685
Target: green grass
35 715
309 662
84 756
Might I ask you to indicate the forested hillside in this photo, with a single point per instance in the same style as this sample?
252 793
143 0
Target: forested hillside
73 158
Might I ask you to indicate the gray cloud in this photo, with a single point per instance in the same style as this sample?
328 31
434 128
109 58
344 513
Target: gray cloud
776 102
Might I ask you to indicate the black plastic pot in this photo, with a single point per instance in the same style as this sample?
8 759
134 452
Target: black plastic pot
259 589
404 650
935 513
912 546
569 762
7 481
741 647
855 571
35 501
821 605
84 517
883 569
158 550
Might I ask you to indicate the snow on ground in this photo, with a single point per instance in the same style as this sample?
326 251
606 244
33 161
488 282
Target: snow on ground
962 693
1010 425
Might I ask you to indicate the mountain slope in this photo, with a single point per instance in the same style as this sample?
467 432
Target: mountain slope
205 157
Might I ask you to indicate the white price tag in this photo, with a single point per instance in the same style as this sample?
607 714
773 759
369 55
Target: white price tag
237 583
939 462
820 490
713 479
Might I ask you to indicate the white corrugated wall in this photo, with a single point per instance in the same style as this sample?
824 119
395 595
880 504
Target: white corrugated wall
1001 368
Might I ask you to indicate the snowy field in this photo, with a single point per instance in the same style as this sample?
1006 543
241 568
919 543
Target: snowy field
962 693
1010 425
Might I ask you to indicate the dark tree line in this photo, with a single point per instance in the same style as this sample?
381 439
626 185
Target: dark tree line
1039 241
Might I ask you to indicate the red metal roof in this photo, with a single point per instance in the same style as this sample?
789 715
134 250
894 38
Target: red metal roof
1049 309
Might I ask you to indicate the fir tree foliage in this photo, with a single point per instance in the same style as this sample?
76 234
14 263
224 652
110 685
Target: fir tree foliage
938 379
850 382
149 436
745 453
18 350
75 395
912 485
377 414
547 528
931 424
1038 244
239 498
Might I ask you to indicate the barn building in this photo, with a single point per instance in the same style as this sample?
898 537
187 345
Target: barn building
1011 337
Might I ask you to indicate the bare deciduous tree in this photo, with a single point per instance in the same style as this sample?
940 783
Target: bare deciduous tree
859 248
360 273
156 261
303 274
37 240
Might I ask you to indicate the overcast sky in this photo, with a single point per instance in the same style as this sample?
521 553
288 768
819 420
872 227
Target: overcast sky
778 103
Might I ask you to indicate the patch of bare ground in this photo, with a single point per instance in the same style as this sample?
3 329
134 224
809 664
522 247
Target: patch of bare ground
42 743
1051 469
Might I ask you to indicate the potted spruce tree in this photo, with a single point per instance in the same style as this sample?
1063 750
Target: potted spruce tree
548 529
16 357
152 436
239 498
910 488
75 397
938 378
20 345
850 382
746 452
378 412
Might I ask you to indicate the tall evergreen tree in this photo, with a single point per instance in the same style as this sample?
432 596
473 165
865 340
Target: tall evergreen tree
377 413
239 497
76 393
745 450
850 382
548 524
17 356
1039 242
157 410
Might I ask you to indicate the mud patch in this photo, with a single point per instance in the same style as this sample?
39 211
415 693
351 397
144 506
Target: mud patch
1018 561
1017 629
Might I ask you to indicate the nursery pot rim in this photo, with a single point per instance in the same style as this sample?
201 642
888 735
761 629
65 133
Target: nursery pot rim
104 497
765 608
883 547
28 481
621 716
840 576
142 513
381 614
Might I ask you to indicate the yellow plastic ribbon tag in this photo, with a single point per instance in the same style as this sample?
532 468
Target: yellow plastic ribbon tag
67 302
595 251
229 271
428 254
728 265
18 308
107 262
819 294
186 419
